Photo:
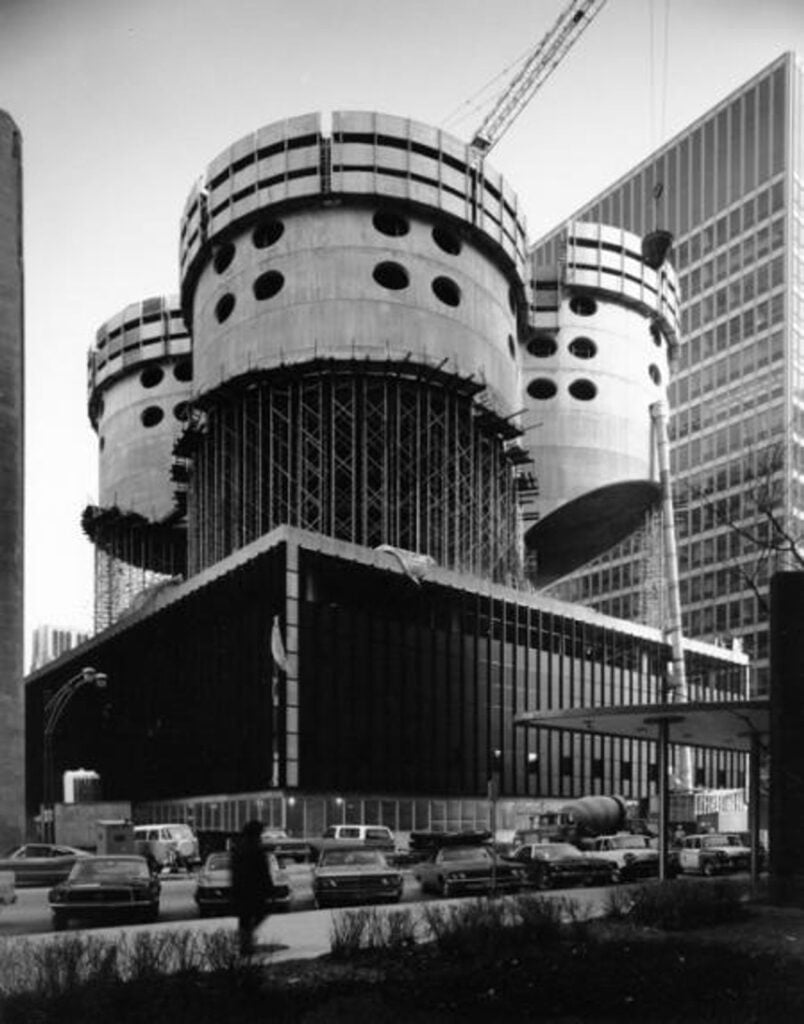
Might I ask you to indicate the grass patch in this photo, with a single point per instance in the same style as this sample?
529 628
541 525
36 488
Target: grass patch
680 904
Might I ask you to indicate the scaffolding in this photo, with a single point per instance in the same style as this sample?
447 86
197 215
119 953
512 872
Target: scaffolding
363 451
134 558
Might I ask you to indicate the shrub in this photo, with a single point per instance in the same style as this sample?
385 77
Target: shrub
684 903
371 929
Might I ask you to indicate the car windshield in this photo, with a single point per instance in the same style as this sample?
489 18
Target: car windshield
556 851
10 852
99 869
629 843
459 853
337 858
717 840
218 862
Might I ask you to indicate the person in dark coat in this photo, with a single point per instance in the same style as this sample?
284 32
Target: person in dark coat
251 884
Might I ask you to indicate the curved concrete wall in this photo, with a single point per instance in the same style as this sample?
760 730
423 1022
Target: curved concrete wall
603 324
140 379
358 269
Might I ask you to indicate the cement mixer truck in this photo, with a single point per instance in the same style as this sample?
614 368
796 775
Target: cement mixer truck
581 821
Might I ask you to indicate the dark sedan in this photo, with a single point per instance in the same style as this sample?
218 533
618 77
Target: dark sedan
555 865
40 863
103 888
467 871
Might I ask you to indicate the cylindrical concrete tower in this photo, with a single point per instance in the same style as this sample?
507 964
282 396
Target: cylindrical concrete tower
140 380
354 302
602 326
12 782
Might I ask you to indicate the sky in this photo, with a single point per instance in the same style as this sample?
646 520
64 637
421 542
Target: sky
122 104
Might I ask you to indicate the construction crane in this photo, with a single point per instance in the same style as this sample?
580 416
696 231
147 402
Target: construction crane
544 59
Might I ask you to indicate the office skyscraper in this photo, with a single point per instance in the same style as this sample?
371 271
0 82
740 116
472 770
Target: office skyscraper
730 189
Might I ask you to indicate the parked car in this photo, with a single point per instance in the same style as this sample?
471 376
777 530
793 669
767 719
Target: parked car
171 845
465 870
40 863
633 856
713 853
291 851
213 888
551 865
379 836
100 887
354 874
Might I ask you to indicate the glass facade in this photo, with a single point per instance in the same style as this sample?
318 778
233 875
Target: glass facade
731 193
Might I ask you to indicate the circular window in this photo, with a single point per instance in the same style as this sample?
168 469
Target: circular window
656 334
655 373
223 257
389 222
542 388
583 348
511 346
445 289
151 416
268 284
224 307
582 305
542 346
183 370
446 239
583 390
151 376
391 275
181 411
268 233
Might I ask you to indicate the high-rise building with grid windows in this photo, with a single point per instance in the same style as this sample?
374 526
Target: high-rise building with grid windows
730 189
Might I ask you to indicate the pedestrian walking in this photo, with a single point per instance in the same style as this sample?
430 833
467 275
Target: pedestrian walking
252 884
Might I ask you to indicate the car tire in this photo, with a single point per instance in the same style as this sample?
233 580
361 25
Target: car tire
60 920
544 881
444 888
708 868
616 876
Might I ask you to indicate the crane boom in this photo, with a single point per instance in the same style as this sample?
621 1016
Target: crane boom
571 24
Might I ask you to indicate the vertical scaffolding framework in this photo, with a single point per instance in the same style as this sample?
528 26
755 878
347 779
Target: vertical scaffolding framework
367 453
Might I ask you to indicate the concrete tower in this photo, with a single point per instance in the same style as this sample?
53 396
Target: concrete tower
140 374
12 795
603 325
355 303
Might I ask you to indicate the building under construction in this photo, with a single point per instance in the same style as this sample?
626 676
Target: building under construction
333 475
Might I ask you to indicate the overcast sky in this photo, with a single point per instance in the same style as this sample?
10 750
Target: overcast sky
123 103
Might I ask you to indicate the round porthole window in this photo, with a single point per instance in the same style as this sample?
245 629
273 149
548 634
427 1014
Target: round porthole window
389 222
183 371
542 388
151 416
223 257
268 233
582 305
583 390
446 240
391 275
151 376
181 411
583 348
655 373
656 334
542 346
268 284
224 307
445 289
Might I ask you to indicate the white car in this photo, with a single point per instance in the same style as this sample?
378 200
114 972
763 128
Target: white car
632 855
714 853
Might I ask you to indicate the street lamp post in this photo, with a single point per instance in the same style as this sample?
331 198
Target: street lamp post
54 709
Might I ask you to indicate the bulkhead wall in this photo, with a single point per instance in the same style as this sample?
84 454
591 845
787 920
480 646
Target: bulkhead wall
379 242
603 327
140 378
